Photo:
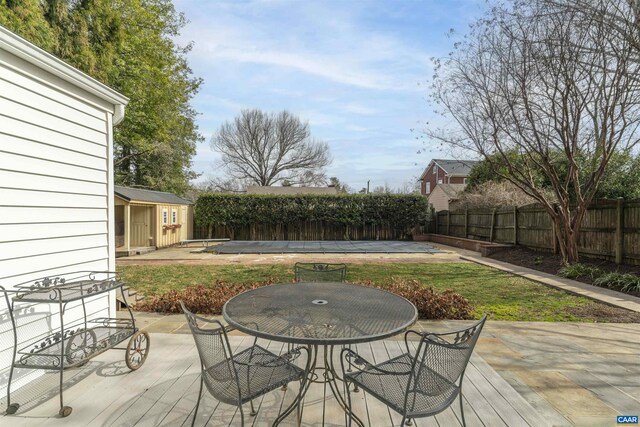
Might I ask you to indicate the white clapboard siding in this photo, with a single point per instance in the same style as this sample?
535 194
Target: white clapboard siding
24 249
87 260
66 126
68 260
16 145
25 215
52 106
20 197
51 230
43 182
36 165
28 83
34 132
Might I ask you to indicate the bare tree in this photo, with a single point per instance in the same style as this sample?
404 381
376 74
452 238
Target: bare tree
543 87
267 149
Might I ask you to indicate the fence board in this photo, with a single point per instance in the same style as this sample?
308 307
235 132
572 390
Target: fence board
597 237
307 230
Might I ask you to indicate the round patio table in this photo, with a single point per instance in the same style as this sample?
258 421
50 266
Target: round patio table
319 314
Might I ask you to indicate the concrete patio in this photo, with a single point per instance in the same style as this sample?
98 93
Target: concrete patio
164 392
523 373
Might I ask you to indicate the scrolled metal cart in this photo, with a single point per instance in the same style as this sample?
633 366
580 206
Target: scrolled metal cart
75 343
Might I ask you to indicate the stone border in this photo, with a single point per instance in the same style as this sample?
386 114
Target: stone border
604 295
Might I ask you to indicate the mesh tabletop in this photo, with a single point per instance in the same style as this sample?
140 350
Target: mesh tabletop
320 313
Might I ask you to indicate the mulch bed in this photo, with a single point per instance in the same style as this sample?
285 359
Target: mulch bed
550 263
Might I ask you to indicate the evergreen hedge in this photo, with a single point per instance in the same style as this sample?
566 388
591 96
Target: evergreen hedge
235 210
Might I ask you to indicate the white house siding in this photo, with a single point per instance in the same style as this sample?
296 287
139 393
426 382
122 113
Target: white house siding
56 186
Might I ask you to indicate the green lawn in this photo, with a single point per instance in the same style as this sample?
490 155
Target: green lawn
505 296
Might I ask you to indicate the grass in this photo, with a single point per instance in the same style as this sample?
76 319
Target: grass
504 296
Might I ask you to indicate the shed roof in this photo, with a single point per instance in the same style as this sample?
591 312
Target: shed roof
257 189
140 195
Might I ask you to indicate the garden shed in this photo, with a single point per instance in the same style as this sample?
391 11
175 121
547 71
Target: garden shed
146 220
56 184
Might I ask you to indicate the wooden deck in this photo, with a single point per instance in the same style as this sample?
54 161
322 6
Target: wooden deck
164 391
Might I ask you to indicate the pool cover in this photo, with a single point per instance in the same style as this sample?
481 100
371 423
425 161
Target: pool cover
320 247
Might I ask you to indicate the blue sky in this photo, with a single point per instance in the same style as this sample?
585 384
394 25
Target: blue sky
356 70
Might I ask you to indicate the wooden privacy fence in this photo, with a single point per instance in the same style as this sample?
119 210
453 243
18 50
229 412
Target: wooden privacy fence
610 229
307 230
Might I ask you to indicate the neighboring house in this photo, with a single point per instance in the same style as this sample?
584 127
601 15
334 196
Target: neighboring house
443 194
442 171
146 220
257 189
56 185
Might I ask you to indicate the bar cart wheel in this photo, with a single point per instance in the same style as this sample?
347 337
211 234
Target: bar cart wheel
80 346
65 411
12 409
137 350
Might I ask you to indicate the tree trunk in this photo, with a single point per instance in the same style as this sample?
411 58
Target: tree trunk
567 237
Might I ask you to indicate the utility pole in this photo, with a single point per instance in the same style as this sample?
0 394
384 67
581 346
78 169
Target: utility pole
368 186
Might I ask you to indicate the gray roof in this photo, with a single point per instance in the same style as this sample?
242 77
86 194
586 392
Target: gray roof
257 189
140 195
452 190
456 167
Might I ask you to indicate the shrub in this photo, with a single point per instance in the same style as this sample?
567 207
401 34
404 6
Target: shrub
431 304
210 299
577 270
619 281
200 299
236 210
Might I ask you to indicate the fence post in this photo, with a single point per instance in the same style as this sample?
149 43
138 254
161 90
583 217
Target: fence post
437 230
466 223
493 225
515 225
448 223
619 232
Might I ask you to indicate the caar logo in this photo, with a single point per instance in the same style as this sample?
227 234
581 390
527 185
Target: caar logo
627 420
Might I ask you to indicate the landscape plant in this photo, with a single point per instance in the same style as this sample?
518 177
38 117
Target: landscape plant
403 212
210 299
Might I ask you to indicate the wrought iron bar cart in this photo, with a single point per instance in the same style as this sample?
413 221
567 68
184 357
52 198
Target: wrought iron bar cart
73 344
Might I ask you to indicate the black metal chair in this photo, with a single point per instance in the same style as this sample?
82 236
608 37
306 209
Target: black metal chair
238 378
320 272
418 383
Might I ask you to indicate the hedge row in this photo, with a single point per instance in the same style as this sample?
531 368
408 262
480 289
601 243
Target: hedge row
402 211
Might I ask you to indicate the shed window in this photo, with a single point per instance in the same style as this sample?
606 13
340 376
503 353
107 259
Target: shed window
435 169
174 216
165 216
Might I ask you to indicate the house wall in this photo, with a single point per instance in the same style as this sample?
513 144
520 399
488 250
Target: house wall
432 178
456 180
438 177
55 203
439 200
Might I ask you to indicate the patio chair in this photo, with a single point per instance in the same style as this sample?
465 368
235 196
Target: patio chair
237 378
320 272
419 383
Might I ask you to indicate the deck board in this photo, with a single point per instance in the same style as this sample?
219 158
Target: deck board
164 392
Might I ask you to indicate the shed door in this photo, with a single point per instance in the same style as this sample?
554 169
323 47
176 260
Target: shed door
140 225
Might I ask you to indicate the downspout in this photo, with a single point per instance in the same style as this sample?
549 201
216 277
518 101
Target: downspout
118 114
